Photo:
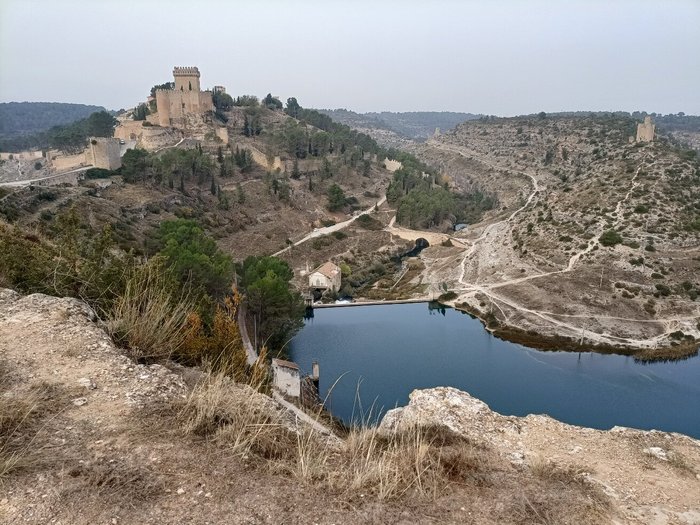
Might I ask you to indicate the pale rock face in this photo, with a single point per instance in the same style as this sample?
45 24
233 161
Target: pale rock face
441 406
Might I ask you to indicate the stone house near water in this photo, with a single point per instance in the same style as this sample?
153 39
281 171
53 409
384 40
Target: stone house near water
326 277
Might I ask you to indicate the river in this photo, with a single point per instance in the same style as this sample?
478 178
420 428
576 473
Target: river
374 356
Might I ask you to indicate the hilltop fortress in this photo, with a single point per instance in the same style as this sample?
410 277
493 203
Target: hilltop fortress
646 130
182 107
186 98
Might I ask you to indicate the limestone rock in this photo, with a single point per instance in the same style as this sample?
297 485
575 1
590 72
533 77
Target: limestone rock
441 406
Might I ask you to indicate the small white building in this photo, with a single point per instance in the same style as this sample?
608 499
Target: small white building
286 377
326 277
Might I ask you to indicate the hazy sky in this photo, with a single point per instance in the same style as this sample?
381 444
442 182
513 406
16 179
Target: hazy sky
493 56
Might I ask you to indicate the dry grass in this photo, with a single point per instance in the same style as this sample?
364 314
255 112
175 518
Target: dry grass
22 412
560 494
421 461
116 479
149 317
237 417
418 464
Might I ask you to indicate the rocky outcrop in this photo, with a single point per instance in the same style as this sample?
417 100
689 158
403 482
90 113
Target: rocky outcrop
651 476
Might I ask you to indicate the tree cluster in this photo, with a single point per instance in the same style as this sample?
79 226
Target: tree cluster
274 304
70 138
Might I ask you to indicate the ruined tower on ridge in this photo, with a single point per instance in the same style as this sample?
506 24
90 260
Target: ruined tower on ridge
645 130
187 98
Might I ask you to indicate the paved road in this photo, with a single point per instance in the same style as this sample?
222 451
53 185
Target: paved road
319 232
29 182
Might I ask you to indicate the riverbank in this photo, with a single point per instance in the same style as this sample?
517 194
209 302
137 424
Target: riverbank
530 338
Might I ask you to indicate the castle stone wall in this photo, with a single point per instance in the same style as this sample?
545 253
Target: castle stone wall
129 130
222 133
103 153
22 155
60 162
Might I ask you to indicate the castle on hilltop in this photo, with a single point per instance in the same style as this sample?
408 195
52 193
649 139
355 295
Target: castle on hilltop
186 98
645 130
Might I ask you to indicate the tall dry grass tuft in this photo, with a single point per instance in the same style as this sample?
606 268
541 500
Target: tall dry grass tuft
421 461
16 412
560 494
22 411
238 418
149 317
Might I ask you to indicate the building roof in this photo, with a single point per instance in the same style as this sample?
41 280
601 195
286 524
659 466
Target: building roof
328 269
285 364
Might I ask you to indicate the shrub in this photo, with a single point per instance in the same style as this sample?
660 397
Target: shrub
98 173
447 296
368 222
321 242
610 238
663 289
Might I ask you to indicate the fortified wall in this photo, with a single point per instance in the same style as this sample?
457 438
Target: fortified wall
103 153
186 98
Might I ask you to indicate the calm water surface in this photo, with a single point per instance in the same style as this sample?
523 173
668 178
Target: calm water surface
391 350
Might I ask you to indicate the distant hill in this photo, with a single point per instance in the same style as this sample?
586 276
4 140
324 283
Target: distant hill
415 125
21 118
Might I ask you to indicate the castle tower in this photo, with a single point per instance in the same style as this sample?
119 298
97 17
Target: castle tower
186 100
645 131
186 79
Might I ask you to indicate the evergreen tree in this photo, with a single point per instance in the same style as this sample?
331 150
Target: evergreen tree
336 198
295 170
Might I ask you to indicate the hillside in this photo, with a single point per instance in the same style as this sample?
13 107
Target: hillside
420 125
21 118
398 129
596 240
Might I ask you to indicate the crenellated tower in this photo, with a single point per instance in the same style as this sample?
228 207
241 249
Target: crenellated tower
187 98
186 79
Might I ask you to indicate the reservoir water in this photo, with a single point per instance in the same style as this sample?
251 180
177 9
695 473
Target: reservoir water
385 352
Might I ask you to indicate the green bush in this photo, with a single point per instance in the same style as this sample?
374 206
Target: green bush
98 173
610 238
447 296
368 222
662 289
